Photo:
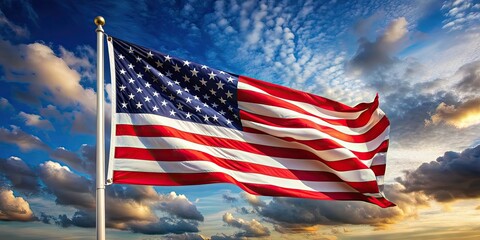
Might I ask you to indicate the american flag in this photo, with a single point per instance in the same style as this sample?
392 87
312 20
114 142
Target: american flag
176 122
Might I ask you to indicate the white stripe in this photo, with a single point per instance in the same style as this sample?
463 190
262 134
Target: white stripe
284 113
360 175
317 111
228 133
205 166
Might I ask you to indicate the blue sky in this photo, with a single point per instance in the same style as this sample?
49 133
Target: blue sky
421 57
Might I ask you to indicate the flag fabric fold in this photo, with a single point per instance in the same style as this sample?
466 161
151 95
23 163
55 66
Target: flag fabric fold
175 122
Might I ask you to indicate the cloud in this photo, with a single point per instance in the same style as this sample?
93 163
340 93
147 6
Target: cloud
372 56
470 77
304 215
179 206
251 228
12 27
20 175
36 121
164 226
185 236
460 15
5 104
69 189
229 198
451 177
464 115
23 140
14 208
73 159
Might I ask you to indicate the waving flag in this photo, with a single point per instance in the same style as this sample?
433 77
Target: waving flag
176 122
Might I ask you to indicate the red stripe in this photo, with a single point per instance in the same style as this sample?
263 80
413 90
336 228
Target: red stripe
379 170
295 95
178 179
371 134
193 155
260 98
164 131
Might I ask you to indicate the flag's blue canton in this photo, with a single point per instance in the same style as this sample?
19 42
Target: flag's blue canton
151 82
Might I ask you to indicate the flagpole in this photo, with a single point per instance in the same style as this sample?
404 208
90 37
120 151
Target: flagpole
99 21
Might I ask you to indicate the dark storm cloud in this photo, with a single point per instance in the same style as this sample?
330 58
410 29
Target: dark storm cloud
22 139
302 215
21 177
165 225
451 177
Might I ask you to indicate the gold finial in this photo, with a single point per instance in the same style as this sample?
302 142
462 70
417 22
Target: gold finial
99 21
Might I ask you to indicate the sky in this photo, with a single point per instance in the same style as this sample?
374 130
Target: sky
421 57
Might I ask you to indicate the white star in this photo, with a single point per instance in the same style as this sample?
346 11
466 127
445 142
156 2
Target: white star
206 96
171 97
139 75
124 105
229 94
160 74
197 88
223 101
229 122
155 108
139 90
172 113
205 105
164 103
189 100
215 118
214 105
179 92
230 79
159 64
121 57
222 72
122 72
164 89
130 66
204 83
186 90
194 72
139 59
212 75
147 68
149 54
139 105
155 94
198 108
130 80
186 63
167 58
154 79
186 79
130 50
220 85
196 98
131 96
189 115
147 85
168 74
169 83
204 67
122 88
147 99
179 106
205 117
222 112
213 91
176 67
176 82
230 108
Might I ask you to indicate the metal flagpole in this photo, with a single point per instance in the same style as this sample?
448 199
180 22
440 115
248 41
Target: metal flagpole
100 178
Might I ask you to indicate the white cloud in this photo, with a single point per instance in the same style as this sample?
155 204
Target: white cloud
14 208
36 121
